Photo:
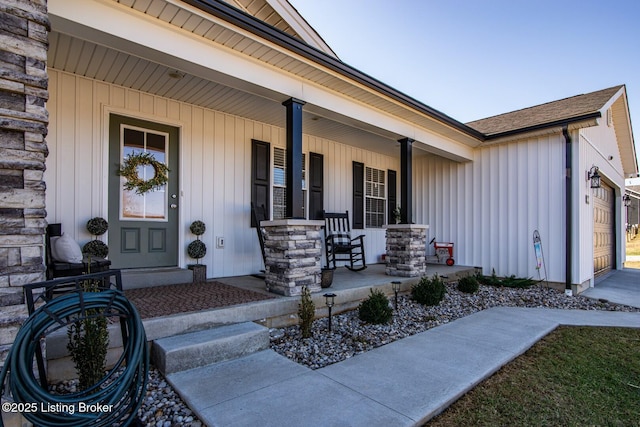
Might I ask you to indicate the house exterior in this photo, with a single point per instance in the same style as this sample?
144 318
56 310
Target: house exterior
232 95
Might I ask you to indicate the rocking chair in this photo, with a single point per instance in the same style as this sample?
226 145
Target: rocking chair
339 246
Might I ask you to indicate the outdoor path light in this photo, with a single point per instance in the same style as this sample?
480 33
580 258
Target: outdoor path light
330 300
396 288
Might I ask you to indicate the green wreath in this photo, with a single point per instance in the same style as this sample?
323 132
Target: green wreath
129 170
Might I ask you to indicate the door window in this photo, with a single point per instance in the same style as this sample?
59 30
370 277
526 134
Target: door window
153 205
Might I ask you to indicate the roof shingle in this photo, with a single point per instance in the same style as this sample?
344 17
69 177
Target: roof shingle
564 109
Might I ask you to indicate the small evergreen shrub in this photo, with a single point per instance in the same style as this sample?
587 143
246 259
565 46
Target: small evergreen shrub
468 284
96 248
306 312
508 282
88 342
428 291
375 309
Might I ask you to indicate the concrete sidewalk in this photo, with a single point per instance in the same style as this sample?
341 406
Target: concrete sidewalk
403 383
619 286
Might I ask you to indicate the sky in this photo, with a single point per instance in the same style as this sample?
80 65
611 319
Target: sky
472 59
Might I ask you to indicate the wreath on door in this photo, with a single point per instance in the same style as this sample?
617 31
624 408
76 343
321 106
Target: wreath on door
129 171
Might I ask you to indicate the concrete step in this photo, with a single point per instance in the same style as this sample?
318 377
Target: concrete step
147 277
202 348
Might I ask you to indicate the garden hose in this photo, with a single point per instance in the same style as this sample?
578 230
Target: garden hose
114 400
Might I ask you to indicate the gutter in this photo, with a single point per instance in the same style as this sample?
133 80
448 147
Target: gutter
562 122
247 22
568 211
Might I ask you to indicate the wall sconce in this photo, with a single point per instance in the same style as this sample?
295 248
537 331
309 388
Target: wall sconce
594 176
626 199
330 300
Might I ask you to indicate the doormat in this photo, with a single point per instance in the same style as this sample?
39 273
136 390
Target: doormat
161 301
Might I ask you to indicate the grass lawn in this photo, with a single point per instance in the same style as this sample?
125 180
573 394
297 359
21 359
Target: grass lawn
575 376
633 247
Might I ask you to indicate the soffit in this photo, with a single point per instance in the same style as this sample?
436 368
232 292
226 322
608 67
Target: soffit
199 23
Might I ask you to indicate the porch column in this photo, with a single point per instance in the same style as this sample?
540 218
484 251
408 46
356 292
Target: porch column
406 197
293 248
406 250
294 202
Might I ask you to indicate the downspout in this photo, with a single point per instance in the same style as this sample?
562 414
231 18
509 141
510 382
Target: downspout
568 211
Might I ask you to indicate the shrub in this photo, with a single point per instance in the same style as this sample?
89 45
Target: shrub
198 228
509 282
468 284
375 309
197 249
88 343
306 312
428 291
97 226
96 248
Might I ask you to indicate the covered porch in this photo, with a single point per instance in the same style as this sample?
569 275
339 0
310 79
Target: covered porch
276 310
223 84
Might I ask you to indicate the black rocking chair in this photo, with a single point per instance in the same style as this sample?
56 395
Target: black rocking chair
339 245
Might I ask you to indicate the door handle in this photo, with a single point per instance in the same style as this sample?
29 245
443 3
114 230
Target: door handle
173 206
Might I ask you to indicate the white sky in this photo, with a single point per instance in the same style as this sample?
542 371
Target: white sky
472 59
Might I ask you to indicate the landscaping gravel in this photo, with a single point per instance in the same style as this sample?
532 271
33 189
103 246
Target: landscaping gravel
162 407
351 336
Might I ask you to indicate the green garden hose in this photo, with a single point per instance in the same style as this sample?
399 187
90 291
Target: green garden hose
113 401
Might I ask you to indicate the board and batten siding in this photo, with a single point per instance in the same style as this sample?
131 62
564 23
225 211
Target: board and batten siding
490 207
598 146
215 169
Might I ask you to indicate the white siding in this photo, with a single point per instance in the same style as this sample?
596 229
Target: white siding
595 147
214 173
490 207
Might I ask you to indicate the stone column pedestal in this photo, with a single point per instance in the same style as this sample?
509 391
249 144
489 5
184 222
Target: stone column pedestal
406 250
293 250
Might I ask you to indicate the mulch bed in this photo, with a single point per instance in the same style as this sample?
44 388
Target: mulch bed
160 301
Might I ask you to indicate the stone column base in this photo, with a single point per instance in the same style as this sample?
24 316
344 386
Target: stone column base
293 249
406 250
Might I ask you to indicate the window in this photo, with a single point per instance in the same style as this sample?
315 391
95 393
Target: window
151 206
375 197
280 182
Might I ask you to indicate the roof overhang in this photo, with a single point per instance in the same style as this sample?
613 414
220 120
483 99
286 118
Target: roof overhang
217 42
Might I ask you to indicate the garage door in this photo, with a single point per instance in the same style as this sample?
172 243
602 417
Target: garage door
603 229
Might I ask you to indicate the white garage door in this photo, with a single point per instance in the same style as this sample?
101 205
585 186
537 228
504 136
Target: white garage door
603 229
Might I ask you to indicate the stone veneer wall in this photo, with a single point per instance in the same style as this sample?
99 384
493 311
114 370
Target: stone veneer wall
293 249
24 26
406 250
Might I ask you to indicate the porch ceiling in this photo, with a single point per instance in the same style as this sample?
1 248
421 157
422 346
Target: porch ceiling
105 64
83 43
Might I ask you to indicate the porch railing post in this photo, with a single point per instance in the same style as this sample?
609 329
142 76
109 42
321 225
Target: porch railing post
406 205
294 199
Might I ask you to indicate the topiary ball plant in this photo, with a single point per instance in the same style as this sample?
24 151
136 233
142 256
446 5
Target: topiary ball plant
428 291
197 249
96 248
97 226
468 284
375 309
198 228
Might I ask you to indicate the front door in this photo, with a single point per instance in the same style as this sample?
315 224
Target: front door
143 228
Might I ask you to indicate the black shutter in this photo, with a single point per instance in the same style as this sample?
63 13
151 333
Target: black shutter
358 195
260 167
392 196
316 185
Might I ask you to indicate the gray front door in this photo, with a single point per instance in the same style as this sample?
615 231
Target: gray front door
143 229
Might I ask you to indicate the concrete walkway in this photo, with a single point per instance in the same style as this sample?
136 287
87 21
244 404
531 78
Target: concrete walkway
403 383
619 286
